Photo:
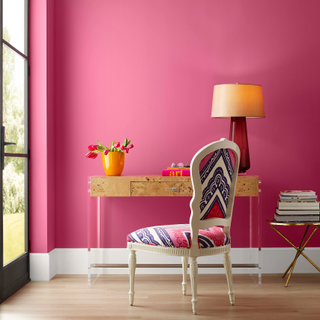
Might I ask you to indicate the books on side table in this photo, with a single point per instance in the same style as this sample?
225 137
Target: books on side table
297 206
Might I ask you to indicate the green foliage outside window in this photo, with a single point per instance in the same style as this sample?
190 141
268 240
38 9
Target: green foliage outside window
13 120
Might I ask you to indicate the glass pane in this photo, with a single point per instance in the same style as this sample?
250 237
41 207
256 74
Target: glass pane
14 208
14 24
14 97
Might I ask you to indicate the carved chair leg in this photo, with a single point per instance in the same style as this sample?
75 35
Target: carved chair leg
132 271
194 283
228 270
184 274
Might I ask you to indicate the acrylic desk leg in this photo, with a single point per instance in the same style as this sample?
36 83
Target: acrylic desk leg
89 231
260 232
93 233
255 233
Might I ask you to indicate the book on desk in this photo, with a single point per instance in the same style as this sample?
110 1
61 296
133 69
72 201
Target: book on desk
176 172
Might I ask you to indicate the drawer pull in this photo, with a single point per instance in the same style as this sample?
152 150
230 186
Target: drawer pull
173 189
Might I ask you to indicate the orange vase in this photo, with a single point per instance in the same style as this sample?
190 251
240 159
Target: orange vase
113 163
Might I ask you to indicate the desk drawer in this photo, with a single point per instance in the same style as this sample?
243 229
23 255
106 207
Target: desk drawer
161 189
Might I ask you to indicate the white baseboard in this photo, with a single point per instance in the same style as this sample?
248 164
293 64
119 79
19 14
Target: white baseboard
40 266
44 266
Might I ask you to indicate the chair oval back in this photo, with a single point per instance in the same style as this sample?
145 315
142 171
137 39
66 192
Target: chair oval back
214 171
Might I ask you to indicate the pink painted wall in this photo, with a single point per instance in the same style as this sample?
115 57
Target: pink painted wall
38 217
41 123
51 148
146 70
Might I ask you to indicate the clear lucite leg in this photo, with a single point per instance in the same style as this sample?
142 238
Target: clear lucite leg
255 235
93 233
89 207
260 232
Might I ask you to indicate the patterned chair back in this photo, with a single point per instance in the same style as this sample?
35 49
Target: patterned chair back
214 171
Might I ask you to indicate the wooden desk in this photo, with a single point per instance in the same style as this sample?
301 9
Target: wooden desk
160 186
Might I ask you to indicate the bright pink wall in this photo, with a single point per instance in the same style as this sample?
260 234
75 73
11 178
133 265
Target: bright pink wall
51 148
146 70
38 218
41 123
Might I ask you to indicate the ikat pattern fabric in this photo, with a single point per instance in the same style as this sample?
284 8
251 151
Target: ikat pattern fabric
178 236
215 175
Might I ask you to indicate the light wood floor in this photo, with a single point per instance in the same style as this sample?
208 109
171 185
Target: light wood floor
160 297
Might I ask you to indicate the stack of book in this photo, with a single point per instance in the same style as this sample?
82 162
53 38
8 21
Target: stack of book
297 206
176 172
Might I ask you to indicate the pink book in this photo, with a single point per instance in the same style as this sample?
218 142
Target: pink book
176 172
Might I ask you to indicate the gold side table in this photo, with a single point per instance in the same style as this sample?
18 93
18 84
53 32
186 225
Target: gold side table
302 245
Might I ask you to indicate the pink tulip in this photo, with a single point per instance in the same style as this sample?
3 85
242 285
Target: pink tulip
122 147
91 155
130 146
126 150
106 151
117 145
93 147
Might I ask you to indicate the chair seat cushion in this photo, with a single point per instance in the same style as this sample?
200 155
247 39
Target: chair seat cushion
179 236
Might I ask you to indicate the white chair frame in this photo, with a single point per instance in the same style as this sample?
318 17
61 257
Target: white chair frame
195 224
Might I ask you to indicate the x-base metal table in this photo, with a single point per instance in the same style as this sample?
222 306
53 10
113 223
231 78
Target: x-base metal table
302 245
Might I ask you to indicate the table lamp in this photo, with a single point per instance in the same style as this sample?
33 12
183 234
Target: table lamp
238 102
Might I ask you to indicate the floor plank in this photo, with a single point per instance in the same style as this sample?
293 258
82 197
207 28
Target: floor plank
160 297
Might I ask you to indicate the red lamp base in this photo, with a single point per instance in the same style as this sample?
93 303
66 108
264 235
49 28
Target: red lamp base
238 134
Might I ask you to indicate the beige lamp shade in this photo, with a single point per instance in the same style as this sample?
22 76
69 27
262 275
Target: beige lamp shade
237 100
